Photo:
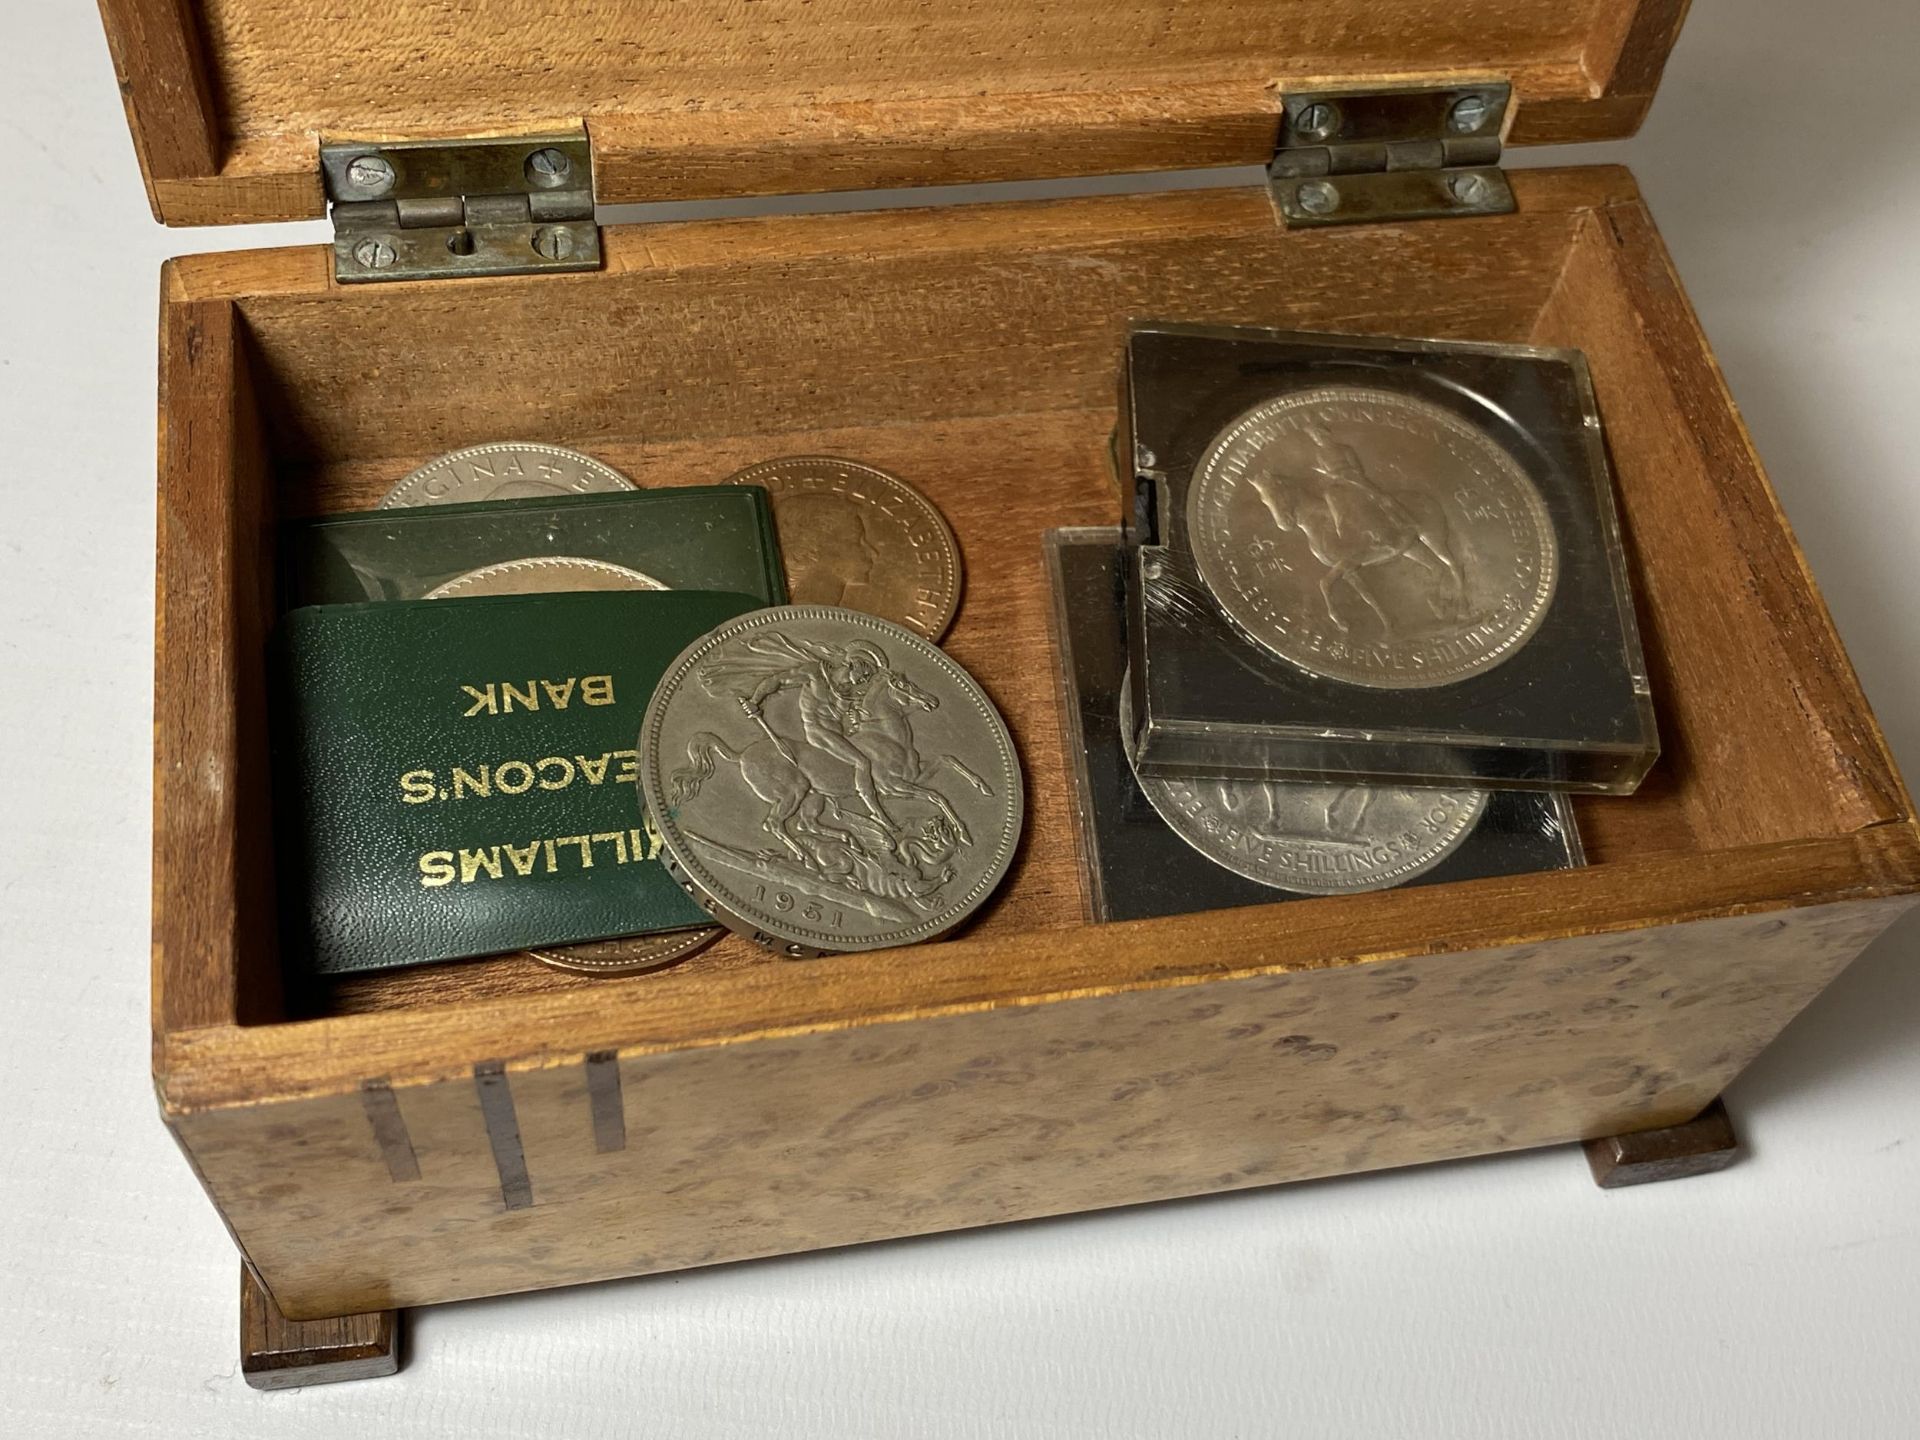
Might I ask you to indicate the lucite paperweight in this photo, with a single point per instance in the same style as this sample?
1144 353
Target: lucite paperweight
1376 560
1151 846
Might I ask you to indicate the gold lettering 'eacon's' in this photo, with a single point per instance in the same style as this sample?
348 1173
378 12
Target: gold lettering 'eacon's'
482 779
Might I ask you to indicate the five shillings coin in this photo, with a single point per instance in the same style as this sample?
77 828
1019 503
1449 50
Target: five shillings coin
826 781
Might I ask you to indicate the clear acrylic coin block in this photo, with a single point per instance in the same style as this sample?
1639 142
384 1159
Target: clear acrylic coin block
1134 863
1388 560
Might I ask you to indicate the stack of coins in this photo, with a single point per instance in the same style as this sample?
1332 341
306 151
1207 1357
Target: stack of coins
821 777
825 778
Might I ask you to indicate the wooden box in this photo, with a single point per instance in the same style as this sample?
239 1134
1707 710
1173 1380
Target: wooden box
475 1129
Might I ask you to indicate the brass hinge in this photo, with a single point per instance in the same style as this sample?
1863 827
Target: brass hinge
431 209
1348 158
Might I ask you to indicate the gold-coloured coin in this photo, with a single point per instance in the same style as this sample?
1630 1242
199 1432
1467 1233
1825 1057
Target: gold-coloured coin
861 539
631 955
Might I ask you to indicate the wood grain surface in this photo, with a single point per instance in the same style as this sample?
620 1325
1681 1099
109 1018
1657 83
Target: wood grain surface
231 98
213 898
835 1135
281 1354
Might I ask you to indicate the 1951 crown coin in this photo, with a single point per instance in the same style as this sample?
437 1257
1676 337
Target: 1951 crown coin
826 781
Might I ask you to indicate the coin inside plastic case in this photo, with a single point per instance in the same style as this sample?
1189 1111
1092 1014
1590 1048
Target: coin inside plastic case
1380 559
1136 865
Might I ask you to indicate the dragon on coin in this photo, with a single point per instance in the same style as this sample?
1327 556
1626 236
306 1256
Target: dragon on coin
850 799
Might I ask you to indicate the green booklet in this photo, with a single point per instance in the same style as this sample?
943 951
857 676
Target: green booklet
458 777
695 537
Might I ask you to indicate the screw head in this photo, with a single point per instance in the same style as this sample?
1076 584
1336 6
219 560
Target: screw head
372 174
554 242
1317 121
1468 189
549 168
1469 113
374 253
1318 197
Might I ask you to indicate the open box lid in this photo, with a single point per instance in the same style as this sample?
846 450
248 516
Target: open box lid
230 100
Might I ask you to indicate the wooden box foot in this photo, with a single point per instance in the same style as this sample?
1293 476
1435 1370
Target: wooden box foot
1701 1146
280 1354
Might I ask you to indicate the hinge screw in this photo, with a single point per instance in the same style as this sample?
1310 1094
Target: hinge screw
371 173
1317 121
1318 197
549 169
1469 114
374 254
1468 189
555 242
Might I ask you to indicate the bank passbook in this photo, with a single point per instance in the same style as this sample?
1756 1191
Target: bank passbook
457 777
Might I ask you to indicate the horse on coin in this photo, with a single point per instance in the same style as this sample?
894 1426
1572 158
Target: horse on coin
1351 524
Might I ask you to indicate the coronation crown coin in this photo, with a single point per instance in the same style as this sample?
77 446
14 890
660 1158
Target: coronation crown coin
1372 537
826 781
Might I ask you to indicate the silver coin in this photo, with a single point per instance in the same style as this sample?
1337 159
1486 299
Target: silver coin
504 472
1307 838
828 781
1371 537
543 575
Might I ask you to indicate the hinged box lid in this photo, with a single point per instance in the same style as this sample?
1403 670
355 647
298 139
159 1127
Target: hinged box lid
231 100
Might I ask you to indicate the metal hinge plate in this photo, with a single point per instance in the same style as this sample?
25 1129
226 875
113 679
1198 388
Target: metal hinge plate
432 209
1354 157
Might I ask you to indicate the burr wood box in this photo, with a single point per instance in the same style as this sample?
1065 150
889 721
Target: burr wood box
408 1138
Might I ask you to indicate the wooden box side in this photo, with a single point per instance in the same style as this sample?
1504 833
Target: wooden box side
228 100
588 1166
1668 413
215 961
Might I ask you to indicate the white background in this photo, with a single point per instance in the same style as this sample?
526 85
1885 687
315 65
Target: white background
1501 1297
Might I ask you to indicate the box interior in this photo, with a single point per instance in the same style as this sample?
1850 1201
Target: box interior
975 352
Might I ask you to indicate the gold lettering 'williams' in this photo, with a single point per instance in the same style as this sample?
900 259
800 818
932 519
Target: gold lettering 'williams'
549 856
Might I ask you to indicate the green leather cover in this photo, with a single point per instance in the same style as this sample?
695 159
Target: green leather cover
688 537
457 777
